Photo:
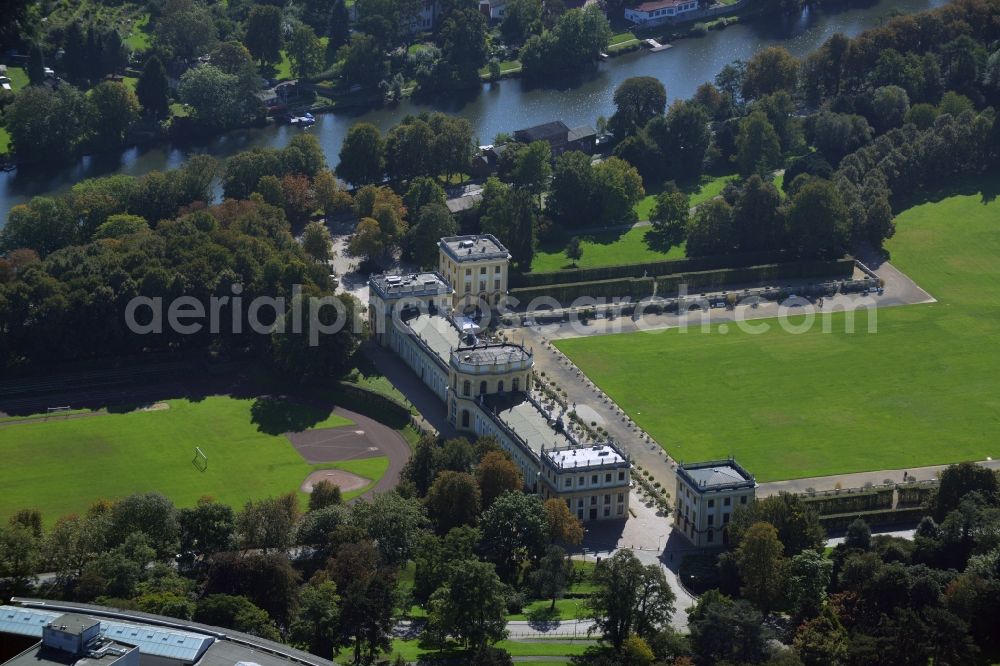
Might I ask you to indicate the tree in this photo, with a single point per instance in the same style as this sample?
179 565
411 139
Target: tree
340 26
922 115
423 191
212 94
798 525
572 190
152 88
268 523
324 343
710 231
683 138
45 124
43 225
818 224
263 33
637 100
19 556
553 575
891 103
363 61
839 134
463 38
563 527
433 223
362 155
366 586
266 579
113 110
392 522
514 529
208 527
669 217
509 214
306 52
725 631
471 605
316 241
808 578
630 598
954 104
859 535
408 150
768 71
533 167
759 558
236 612
298 198
185 30
315 623
324 494
573 250
36 65
959 480
367 241
617 189
576 38
330 196
453 500
757 145
822 641
150 514
497 474
756 217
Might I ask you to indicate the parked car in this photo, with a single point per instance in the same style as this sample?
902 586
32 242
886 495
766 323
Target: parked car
5 83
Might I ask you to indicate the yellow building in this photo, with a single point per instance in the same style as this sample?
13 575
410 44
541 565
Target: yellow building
476 266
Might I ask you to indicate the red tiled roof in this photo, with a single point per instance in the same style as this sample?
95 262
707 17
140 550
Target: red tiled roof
659 4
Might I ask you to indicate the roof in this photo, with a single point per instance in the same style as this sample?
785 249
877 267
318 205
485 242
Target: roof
398 285
43 655
439 334
474 248
716 475
659 4
582 132
492 354
545 132
586 456
464 202
521 416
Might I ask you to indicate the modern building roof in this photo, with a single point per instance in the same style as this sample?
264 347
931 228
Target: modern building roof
474 248
550 131
599 455
43 655
391 286
582 132
526 421
716 475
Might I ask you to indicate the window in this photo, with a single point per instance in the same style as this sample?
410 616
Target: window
465 418
710 537
743 499
607 478
579 502
607 499
579 514
482 388
482 271
725 519
468 271
621 476
466 387
496 269
496 284
711 504
569 483
727 501
468 287
621 509
500 386
580 482
607 511
593 500
515 384
711 519
593 480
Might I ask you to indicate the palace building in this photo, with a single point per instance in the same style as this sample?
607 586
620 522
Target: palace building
707 495
484 384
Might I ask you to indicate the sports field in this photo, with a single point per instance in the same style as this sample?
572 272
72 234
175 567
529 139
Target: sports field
62 466
924 389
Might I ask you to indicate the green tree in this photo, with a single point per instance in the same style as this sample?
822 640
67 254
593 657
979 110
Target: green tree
266 579
859 535
316 241
756 217
236 612
572 190
45 124
553 575
185 30
19 557
618 188
212 94
324 345
392 522
36 65
710 231
838 134
533 167
759 558
330 195
683 138
363 61
891 103
340 26
408 150
757 145
463 38
521 19
152 88
798 525
514 529
471 605
497 474
263 33
637 101
316 621
362 155
956 482
453 500
768 71
808 577
573 250
630 598
509 214
434 222
113 110
423 190
669 218
43 224
268 523
725 631
818 224
366 585
922 115
306 52
208 527
822 641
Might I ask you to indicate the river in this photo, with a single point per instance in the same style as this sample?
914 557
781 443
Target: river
501 107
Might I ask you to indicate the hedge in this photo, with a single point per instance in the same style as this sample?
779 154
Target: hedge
373 404
847 501
667 284
663 267
884 517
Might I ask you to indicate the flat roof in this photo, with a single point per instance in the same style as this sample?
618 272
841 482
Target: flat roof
520 415
474 248
42 654
492 354
716 475
438 332
659 4
398 285
600 454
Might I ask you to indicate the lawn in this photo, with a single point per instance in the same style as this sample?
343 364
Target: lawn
707 188
62 466
138 37
605 248
922 390
412 650
18 77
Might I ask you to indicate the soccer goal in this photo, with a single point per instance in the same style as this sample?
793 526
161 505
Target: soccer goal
200 461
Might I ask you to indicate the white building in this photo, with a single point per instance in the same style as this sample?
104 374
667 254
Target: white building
707 495
659 11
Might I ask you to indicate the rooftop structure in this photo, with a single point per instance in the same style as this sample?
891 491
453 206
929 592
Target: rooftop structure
716 475
658 11
599 455
463 249
391 287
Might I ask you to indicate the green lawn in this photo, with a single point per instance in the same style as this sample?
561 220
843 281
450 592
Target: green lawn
922 390
606 248
18 77
413 650
710 186
62 466
138 38
4 140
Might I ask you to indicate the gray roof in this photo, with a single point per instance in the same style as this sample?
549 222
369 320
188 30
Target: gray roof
716 475
518 413
42 655
492 354
390 286
556 129
438 332
582 132
464 202
474 248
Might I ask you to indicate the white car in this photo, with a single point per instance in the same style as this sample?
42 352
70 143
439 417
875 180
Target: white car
5 82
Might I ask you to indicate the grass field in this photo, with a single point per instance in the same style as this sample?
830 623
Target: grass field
605 248
710 186
62 466
413 650
924 389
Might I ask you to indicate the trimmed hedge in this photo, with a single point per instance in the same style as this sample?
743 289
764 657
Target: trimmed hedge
887 517
667 285
850 501
373 404
664 267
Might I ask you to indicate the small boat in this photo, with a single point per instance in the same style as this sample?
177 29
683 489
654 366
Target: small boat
305 120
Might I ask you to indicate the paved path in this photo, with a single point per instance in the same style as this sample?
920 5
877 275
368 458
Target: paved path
859 479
